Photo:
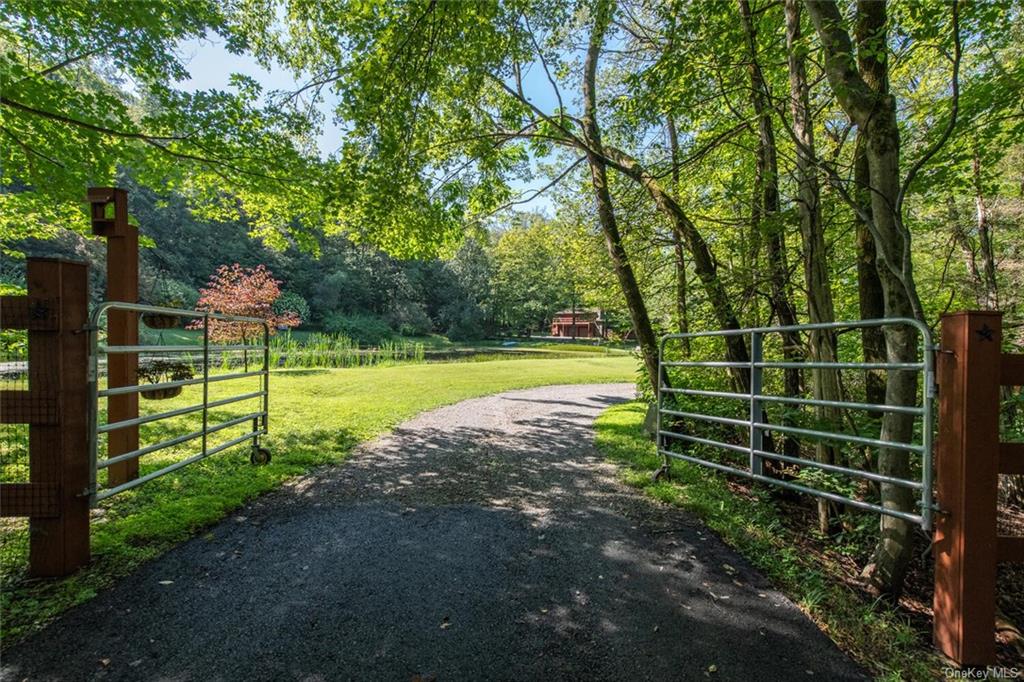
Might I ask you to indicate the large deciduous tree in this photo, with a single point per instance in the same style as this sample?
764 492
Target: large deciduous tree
862 88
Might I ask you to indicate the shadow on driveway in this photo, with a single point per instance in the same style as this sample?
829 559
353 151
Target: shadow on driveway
486 540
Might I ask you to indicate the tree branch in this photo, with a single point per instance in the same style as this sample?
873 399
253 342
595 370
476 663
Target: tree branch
84 124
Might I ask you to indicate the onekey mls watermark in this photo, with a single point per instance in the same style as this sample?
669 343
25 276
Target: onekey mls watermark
992 672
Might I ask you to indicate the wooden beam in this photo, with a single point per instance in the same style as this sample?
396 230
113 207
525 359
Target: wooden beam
1011 458
966 457
58 453
38 500
1010 549
27 407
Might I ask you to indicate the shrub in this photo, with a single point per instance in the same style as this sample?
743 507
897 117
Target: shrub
291 302
467 321
410 319
171 293
366 329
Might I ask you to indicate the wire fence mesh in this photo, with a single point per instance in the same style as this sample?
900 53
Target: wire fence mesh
13 456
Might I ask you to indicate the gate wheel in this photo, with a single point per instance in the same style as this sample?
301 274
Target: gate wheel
259 456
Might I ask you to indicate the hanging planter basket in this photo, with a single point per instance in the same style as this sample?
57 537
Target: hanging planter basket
160 320
161 393
158 371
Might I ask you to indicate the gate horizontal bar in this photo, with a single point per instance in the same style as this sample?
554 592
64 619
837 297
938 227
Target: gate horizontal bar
704 441
729 421
842 404
811 402
176 312
198 350
834 468
704 394
859 504
139 388
894 366
841 365
104 494
838 436
121 390
103 464
851 324
705 363
104 428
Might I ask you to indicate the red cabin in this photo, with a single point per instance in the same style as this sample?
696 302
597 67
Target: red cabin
579 324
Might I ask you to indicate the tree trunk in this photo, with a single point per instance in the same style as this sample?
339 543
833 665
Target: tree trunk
873 109
988 260
963 240
703 262
766 217
820 306
605 209
869 284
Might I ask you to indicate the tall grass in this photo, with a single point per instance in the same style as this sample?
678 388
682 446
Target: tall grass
337 350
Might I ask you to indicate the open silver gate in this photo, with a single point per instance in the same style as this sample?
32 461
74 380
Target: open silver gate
256 418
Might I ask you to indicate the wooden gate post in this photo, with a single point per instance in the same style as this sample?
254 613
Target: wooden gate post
967 462
110 220
59 450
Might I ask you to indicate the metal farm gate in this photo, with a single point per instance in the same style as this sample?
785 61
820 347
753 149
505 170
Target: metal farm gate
673 420
122 395
756 411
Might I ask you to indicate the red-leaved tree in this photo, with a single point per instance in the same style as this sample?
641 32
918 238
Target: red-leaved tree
249 292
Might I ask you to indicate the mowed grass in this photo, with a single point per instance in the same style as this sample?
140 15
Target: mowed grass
316 417
880 639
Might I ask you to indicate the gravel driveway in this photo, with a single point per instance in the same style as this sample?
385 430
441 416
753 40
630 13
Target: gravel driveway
486 540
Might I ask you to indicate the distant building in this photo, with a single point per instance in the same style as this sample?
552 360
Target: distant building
581 324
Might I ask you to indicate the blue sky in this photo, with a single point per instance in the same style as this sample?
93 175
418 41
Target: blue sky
210 66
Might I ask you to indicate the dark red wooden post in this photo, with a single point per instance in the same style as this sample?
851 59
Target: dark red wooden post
110 220
58 450
967 462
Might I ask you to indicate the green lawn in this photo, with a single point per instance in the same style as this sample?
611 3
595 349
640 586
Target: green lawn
316 417
879 638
